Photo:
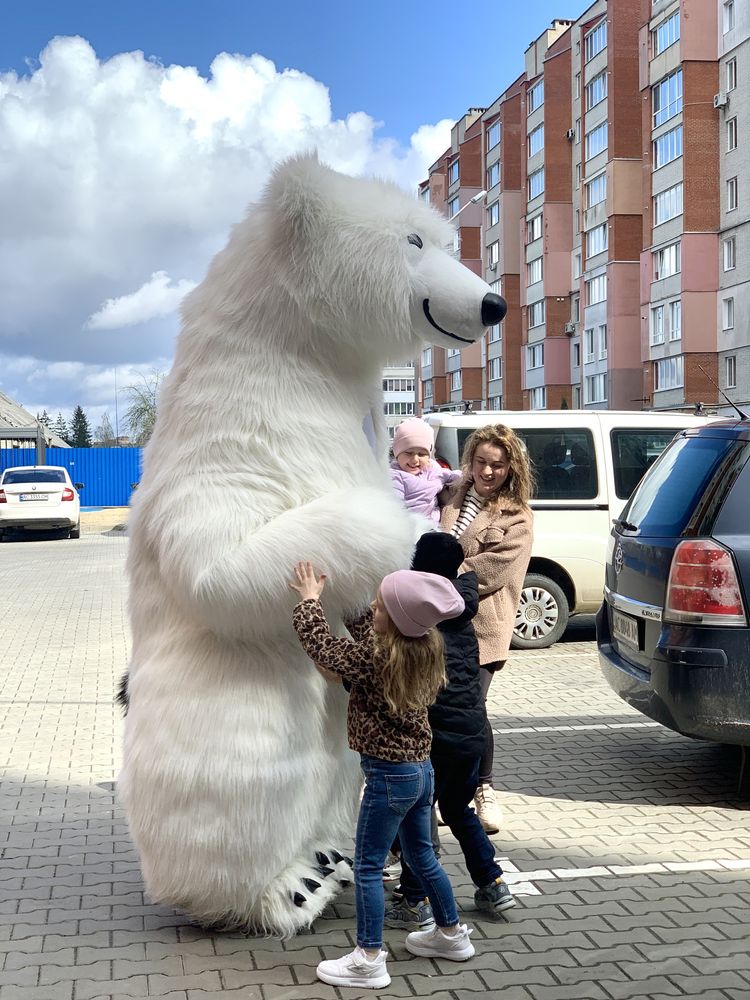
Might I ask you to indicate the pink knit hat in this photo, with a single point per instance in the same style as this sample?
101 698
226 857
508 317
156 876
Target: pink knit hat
417 601
413 433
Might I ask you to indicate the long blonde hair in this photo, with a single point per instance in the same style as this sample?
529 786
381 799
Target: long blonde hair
412 669
518 487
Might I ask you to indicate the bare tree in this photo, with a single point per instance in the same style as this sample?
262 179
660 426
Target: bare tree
141 412
104 435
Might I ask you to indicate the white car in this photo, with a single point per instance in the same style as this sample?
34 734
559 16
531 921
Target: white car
39 498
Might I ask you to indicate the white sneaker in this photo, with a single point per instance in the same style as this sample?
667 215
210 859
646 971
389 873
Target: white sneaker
439 815
356 969
489 813
435 943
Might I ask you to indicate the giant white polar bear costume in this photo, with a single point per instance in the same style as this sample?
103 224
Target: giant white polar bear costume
237 780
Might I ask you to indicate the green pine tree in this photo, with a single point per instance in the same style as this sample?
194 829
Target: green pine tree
44 420
80 432
60 428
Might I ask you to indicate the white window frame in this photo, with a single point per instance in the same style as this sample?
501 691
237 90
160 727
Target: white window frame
595 41
729 253
732 134
534 271
597 240
493 214
732 194
454 172
730 371
596 90
669 373
666 98
667 204
665 34
538 398
596 289
596 190
536 140
589 352
675 319
495 403
426 357
535 97
493 175
456 380
536 184
535 313
670 144
728 16
495 334
657 325
454 207
667 261
493 252
494 369
727 313
597 141
493 135
602 341
731 74
534 356
534 228
595 388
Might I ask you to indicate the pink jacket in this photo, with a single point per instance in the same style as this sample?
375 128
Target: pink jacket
420 492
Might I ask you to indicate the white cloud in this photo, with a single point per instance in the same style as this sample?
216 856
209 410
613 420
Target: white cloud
156 299
117 174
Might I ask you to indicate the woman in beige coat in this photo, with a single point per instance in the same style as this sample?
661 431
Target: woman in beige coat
488 512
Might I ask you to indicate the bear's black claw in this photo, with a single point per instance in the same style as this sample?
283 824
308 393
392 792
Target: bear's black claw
298 899
324 871
337 857
321 858
348 861
311 884
344 883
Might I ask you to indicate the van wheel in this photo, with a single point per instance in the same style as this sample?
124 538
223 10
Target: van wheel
75 532
542 614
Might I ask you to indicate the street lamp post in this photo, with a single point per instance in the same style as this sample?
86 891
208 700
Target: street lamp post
472 201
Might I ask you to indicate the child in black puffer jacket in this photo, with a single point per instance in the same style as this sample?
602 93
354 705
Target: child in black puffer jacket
458 720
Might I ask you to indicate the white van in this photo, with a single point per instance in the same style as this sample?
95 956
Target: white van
586 464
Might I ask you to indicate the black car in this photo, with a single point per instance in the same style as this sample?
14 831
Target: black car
673 632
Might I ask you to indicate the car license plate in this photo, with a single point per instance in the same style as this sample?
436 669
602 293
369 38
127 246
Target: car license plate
625 629
33 496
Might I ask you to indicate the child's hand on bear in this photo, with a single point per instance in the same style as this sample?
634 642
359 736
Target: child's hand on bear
307 585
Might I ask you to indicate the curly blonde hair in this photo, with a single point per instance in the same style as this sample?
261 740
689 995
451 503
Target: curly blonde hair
413 669
518 487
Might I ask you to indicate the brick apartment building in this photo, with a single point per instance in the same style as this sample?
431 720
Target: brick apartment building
613 219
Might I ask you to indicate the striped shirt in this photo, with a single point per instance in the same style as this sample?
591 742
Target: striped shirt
471 506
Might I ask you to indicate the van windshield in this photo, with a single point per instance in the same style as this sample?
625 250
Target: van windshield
668 494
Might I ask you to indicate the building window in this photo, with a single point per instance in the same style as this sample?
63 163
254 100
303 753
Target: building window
456 381
456 243
536 96
595 388
666 261
588 345
534 271
657 325
453 207
596 289
453 172
667 33
495 333
495 286
597 240
675 320
453 352
536 184
399 409
493 252
731 134
728 16
668 204
730 254
577 355
668 373
534 229
494 368
398 385
603 342
493 135
732 200
426 357
732 74
495 403
424 194
730 372
576 397
576 310
535 314
577 130
596 140
727 310
577 265
427 389
595 41
538 398
493 175
667 147
534 356
596 91
596 190
667 98
493 214
536 140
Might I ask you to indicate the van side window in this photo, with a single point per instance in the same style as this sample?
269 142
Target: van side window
633 451
564 463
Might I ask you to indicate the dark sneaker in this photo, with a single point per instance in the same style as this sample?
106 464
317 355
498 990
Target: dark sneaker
494 898
417 917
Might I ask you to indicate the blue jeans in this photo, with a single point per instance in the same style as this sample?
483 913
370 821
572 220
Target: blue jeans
455 786
397 799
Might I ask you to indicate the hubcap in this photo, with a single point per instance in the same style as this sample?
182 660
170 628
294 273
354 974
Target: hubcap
537 614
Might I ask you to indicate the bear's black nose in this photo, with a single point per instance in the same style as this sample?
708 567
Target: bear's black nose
494 308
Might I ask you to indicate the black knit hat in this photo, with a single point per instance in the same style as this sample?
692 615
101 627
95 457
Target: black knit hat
439 553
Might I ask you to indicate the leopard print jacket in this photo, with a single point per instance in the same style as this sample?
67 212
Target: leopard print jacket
372 728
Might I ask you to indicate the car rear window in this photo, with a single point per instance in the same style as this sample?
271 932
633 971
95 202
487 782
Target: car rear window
668 494
31 476
635 449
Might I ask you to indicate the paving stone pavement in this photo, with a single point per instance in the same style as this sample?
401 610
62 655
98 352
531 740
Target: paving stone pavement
627 846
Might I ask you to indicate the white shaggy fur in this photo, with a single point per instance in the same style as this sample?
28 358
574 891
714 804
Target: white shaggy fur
236 767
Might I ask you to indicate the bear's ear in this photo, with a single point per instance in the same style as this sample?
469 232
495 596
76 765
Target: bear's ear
298 196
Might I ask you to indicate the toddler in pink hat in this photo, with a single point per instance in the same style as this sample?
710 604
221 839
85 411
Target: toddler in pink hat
416 476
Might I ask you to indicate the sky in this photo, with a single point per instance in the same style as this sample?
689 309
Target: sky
132 136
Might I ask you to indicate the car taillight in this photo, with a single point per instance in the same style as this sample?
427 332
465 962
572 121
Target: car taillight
3 498
703 587
67 494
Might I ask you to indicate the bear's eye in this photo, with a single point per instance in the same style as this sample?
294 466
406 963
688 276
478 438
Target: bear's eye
415 240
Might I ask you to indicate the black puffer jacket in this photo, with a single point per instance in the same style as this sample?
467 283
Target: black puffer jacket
458 716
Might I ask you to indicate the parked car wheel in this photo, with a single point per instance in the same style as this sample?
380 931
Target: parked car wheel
542 614
75 532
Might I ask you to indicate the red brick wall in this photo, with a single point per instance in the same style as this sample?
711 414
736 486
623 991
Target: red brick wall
557 102
701 197
470 166
512 395
624 109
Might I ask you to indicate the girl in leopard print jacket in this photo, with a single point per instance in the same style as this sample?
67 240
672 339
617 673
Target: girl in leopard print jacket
394 665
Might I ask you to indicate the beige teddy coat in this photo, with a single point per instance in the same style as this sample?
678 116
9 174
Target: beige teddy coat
497 547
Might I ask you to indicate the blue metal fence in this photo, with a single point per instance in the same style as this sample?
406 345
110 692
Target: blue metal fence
108 474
